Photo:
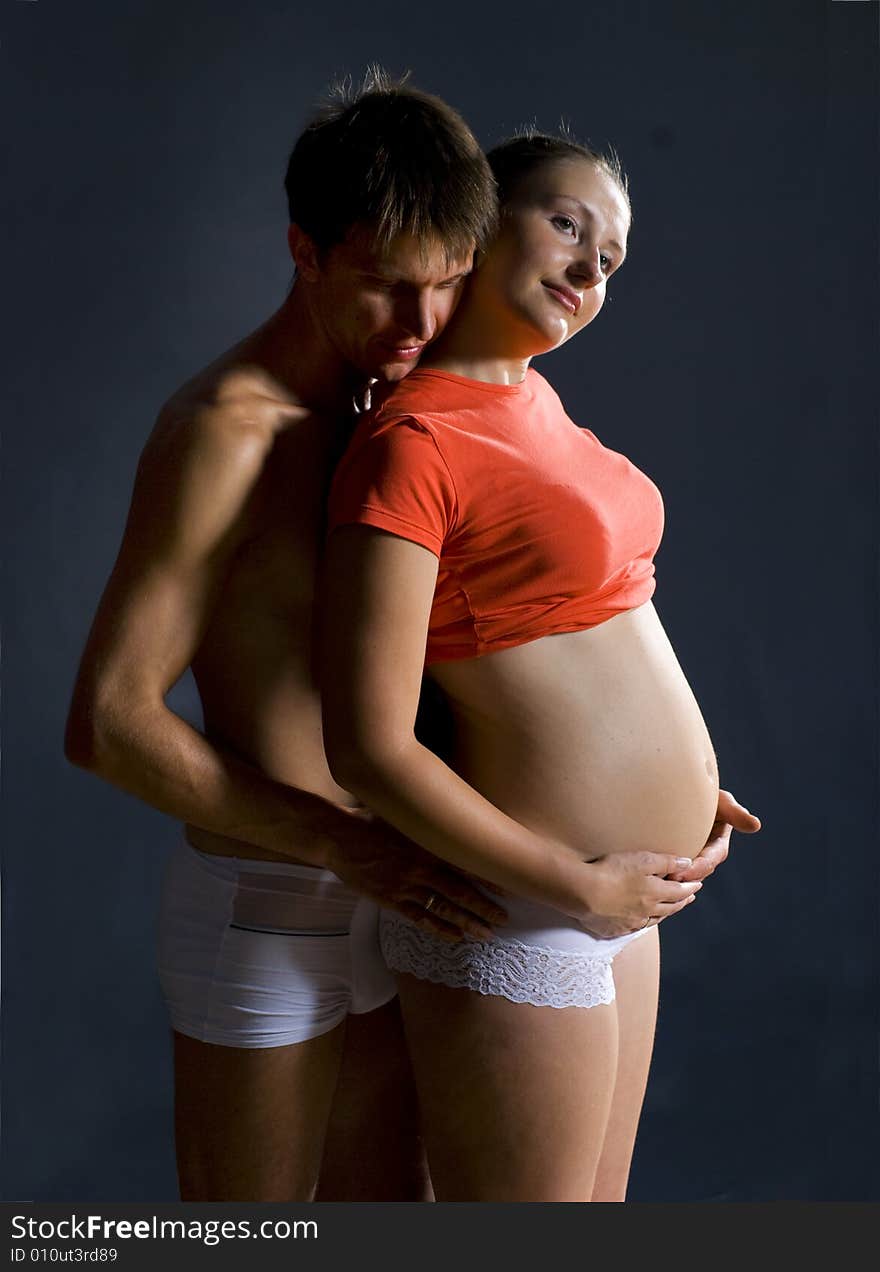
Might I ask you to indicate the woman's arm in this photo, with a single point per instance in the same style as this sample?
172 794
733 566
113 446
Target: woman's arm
378 594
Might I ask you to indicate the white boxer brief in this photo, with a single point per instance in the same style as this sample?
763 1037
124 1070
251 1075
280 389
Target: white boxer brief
261 954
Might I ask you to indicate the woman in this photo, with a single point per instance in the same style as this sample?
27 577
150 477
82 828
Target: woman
475 529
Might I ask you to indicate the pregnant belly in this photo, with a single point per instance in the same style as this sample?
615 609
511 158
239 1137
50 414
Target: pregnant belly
592 737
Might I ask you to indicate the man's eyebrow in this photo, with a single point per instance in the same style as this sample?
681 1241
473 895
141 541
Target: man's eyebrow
401 278
589 213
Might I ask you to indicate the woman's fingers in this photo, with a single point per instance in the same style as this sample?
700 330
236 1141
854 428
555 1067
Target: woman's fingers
670 902
731 816
663 909
712 856
630 887
730 810
670 891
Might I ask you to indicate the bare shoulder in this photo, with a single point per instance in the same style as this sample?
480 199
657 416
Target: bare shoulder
231 413
199 475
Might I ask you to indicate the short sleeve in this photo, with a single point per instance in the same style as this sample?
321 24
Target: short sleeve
395 478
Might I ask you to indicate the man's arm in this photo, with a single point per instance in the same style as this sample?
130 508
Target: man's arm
189 515
187 518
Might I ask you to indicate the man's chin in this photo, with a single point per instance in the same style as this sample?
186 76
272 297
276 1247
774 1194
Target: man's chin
392 372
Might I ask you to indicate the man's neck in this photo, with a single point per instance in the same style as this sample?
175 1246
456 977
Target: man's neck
296 352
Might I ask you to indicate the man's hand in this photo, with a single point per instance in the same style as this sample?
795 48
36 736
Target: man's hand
372 858
729 817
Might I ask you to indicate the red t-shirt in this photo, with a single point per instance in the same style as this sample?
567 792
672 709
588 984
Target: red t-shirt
539 527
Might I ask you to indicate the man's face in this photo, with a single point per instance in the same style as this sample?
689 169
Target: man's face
380 307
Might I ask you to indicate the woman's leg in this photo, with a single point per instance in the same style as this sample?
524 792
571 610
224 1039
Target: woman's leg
636 980
515 1099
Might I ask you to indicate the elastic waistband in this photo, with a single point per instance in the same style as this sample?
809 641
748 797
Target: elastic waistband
231 867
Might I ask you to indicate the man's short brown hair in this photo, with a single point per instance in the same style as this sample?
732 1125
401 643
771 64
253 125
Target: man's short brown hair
391 159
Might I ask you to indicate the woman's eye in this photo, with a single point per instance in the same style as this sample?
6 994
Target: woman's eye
565 223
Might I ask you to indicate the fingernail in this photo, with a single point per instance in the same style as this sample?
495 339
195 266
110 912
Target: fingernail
684 861
697 886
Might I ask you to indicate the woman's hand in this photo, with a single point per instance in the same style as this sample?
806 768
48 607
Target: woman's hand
730 816
623 870
630 890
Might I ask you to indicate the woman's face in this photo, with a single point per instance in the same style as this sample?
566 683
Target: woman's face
563 233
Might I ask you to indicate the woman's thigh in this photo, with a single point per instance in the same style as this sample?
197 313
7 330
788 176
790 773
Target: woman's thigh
515 1099
636 981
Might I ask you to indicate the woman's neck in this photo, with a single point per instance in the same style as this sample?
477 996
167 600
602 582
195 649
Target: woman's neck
476 345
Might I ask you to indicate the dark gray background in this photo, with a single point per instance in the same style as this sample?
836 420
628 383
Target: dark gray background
732 363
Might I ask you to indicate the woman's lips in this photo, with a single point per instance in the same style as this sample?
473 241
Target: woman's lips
569 299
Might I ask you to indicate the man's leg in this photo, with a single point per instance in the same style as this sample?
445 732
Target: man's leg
373 1150
250 1122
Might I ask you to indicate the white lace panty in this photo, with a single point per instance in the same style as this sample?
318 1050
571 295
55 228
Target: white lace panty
539 956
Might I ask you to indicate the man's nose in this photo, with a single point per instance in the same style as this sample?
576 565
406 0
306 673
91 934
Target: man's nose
417 316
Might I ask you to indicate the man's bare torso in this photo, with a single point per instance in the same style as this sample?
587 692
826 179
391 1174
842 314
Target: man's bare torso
255 667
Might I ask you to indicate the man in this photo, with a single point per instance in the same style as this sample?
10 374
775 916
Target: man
389 196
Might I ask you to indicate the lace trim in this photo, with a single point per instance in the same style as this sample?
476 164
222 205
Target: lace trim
521 973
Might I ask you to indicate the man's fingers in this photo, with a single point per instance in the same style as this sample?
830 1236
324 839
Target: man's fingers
485 883
429 902
441 921
439 907
456 889
469 899
436 927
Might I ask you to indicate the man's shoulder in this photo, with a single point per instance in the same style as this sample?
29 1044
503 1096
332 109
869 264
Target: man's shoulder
232 410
